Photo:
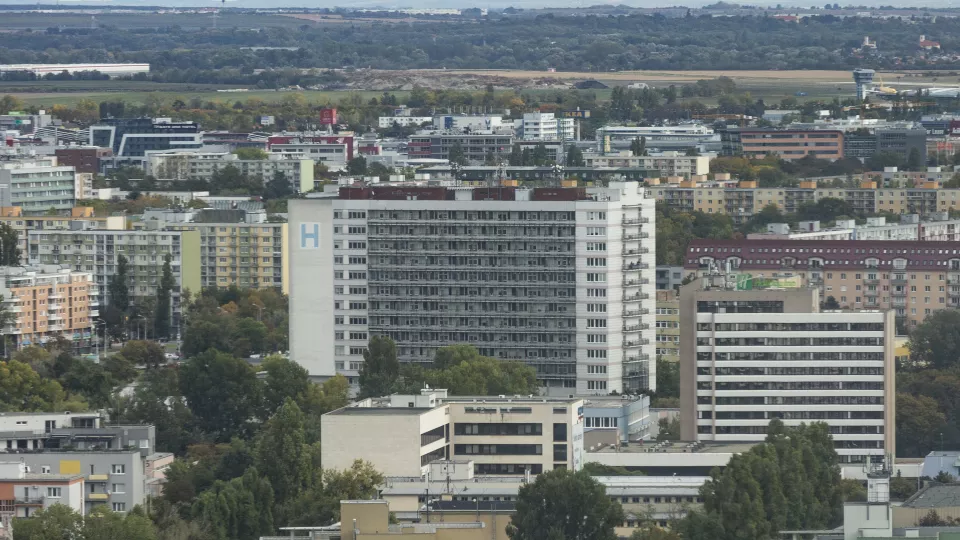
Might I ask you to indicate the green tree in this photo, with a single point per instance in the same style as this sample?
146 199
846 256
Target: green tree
202 335
919 424
935 342
161 318
915 161
223 393
240 509
638 146
654 533
852 490
902 488
380 369
456 154
119 292
284 379
143 353
59 522
357 166
321 503
157 400
283 455
564 504
9 246
278 187
668 378
669 429
251 153
23 390
102 524
574 157
831 303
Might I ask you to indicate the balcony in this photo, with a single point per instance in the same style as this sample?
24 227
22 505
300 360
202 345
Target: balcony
902 292
54 317
98 477
637 358
98 496
54 307
93 313
870 281
630 221
55 327
28 501
898 281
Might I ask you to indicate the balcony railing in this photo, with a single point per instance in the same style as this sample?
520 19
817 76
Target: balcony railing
426 438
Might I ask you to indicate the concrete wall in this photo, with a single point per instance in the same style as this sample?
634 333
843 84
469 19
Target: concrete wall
391 442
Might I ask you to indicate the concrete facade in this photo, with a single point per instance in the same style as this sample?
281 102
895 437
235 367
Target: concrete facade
47 302
561 279
37 184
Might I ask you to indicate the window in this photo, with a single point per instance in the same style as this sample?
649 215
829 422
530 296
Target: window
358 335
596 323
596 385
597 354
560 432
596 231
596 308
356 215
118 469
54 492
596 246
357 275
358 305
356 245
118 488
597 216
358 320
596 278
596 293
119 507
596 338
596 261
356 230
45 469
357 260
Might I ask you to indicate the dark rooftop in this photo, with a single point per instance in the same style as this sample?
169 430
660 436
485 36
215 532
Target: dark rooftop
935 496
395 411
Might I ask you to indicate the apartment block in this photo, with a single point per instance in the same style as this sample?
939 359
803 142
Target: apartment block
79 218
666 163
669 278
749 356
237 247
519 175
668 325
181 165
745 200
913 279
939 228
37 184
78 431
47 302
559 278
84 159
402 435
23 493
112 478
788 144
97 251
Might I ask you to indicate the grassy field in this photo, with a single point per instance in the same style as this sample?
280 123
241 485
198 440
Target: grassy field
48 99
41 21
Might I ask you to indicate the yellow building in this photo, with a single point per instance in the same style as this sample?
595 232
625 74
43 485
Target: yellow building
668 325
81 217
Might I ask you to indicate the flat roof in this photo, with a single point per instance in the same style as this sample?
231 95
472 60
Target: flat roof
372 411
679 448
935 496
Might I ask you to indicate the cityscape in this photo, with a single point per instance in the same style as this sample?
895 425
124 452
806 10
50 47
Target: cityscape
442 272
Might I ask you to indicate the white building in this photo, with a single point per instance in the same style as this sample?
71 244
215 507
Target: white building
403 121
538 126
749 356
402 434
332 155
455 122
657 137
939 228
180 165
37 184
668 163
560 278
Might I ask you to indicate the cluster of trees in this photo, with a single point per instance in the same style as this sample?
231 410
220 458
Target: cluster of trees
226 180
790 482
61 521
458 368
621 41
239 321
145 317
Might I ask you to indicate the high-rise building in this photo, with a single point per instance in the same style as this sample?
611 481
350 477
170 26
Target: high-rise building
559 278
750 356
97 252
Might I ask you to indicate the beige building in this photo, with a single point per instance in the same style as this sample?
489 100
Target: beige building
746 199
754 351
23 493
80 217
49 301
402 434
667 163
913 279
668 325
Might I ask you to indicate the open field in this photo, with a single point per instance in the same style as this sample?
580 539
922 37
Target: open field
48 99
226 19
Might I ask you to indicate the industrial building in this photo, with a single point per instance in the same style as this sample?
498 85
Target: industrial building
755 349
559 278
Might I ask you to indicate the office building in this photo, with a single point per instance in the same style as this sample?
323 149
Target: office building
401 435
47 302
665 163
658 138
787 144
79 218
37 184
84 159
237 247
386 122
914 279
477 147
895 140
616 419
519 175
750 354
668 325
540 126
559 278
23 493
183 165
131 138
97 251
465 122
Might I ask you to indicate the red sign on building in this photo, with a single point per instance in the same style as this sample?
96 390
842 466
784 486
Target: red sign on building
328 117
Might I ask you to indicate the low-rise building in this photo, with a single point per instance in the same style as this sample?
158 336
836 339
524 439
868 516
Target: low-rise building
788 144
386 122
37 184
98 251
477 147
669 278
184 165
403 434
24 492
48 302
616 419
84 159
541 126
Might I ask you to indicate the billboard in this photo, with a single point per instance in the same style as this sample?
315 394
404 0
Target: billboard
576 114
328 116
746 282
267 120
